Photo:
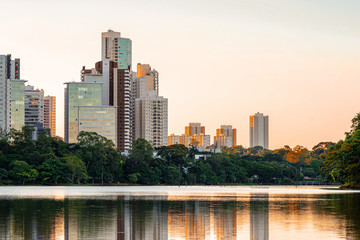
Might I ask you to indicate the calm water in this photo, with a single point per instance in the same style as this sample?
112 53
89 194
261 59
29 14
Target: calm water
179 213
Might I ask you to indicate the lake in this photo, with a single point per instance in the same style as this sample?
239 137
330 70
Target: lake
186 212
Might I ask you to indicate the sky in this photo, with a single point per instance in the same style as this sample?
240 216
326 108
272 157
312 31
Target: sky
297 61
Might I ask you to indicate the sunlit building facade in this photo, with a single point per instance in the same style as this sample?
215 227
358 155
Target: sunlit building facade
259 130
194 128
151 75
225 137
50 114
174 139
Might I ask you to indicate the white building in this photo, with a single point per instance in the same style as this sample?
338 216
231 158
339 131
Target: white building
259 130
151 122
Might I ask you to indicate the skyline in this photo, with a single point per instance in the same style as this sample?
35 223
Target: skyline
308 78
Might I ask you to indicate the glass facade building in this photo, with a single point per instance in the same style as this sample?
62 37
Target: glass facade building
83 112
123 52
17 104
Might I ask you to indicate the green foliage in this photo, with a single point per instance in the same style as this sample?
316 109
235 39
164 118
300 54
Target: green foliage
342 163
133 178
22 172
3 173
77 168
355 125
54 171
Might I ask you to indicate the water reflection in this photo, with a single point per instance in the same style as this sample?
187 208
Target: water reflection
259 216
254 216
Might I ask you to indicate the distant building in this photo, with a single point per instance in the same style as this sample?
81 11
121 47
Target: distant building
194 136
225 137
259 130
50 114
194 128
174 139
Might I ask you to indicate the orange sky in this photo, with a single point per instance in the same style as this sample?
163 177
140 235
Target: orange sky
219 61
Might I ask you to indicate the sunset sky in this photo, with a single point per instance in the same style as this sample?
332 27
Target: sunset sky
219 62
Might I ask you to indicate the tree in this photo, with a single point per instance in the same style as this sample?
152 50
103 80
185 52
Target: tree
77 168
94 150
355 125
21 140
299 154
319 150
54 171
342 163
3 173
21 171
140 157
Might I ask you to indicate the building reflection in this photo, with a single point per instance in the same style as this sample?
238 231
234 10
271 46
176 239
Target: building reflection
259 217
255 217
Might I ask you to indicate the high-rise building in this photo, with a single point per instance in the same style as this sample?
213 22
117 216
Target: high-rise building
17 104
115 91
225 137
259 130
9 70
84 112
152 119
151 75
115 48
50 114
5 91
149 110
34 106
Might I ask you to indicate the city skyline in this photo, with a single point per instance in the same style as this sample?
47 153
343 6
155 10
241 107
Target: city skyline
302 72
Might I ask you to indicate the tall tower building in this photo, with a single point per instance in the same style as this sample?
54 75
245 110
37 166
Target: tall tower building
5 90
115 48
115 91
9 70
225 137
50 114
149 110
259 130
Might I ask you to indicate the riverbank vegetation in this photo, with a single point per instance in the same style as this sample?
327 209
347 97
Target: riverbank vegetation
95 160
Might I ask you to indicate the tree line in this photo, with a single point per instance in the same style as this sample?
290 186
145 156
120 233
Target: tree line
94 159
